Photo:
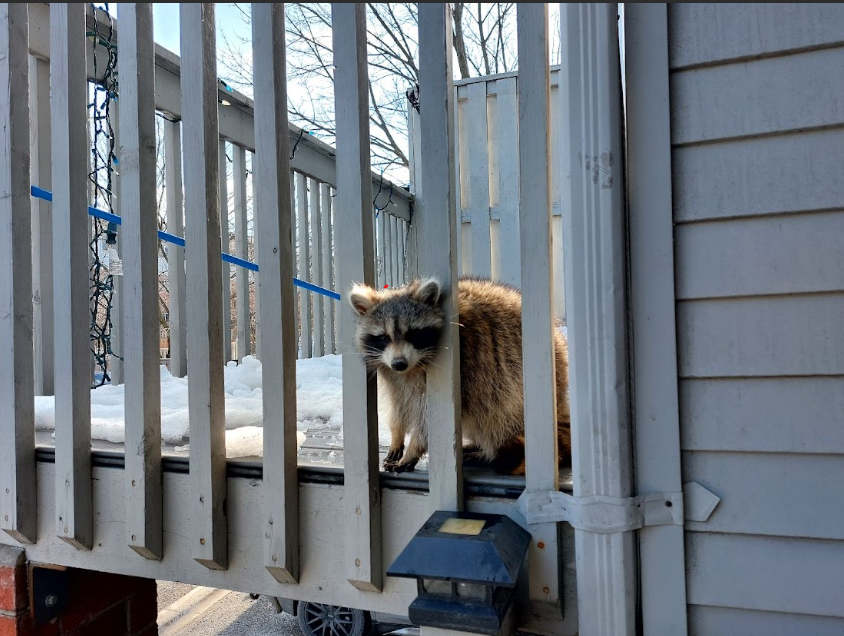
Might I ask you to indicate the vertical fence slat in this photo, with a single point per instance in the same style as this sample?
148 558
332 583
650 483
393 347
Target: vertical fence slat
477 133
204 292
387 249
114 363
42 226
241 241
402 227
17 379
437 248
394 249
541 452
274 233
508 179
459 203
256 276
175 253
316 267
144 522
71 234
590 121
355 251
557 219
225 244
327 279
380 249
304 261
297 293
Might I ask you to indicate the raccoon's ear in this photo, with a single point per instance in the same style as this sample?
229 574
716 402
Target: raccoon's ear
428 292
362 298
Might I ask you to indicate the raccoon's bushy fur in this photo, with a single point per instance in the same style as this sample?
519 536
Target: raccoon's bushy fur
398 328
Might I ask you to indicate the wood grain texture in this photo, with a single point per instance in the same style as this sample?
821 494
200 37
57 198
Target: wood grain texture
274 231
71 234
17 371
139 246
42 226
206 402
436 236
355 258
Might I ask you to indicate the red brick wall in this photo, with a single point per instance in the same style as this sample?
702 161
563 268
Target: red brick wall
98 604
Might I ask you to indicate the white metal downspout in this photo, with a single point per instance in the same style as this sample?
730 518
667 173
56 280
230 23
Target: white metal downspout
592 198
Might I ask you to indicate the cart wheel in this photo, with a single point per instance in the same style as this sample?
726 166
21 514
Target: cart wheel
254 597
316 619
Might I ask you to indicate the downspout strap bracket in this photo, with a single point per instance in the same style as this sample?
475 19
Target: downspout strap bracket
609 515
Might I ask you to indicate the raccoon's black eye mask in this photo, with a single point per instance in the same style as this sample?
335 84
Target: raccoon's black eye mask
422 339
377 342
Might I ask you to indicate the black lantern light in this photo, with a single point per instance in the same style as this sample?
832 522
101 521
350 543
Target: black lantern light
466 566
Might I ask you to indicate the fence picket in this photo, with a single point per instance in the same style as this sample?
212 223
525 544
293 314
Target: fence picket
144 502
42 226
71 234
17 367
437 248
241 241
304 266
274 225
225 244
206 402
541 452
507 126
327 278
477 134
316 266
355 250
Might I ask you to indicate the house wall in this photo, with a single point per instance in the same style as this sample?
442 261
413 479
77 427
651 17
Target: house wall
757 125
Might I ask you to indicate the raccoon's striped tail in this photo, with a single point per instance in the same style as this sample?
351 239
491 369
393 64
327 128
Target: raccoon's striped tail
511 457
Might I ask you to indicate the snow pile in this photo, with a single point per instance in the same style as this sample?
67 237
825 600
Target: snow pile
319 401
319 405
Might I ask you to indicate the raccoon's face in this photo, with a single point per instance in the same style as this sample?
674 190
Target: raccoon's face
398 330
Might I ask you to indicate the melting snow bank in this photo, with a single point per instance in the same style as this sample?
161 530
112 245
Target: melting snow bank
319 404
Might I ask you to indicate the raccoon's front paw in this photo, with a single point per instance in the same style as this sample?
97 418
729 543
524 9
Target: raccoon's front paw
474 456
394 455
405 466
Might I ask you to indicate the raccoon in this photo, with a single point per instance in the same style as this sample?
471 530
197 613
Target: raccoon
398 333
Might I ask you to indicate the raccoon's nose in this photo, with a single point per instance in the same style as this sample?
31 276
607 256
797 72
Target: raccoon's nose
399 364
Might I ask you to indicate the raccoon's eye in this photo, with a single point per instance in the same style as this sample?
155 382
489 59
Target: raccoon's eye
426 338
378 342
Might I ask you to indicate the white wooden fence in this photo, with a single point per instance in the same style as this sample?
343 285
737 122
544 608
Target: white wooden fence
244 533
488 177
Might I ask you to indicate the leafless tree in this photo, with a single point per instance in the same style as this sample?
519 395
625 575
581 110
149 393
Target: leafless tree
484 44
